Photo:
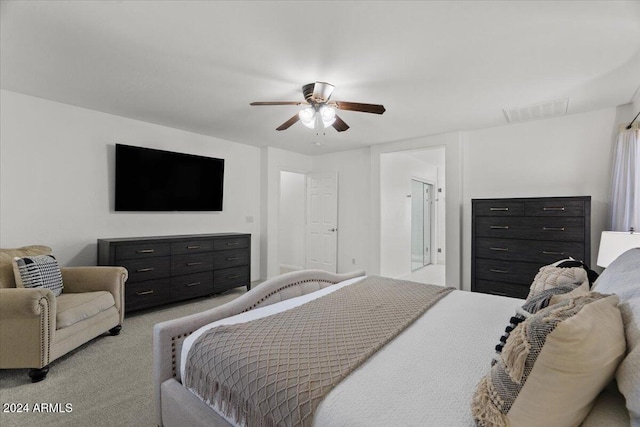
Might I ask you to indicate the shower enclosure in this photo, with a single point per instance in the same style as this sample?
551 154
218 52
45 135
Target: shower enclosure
422 198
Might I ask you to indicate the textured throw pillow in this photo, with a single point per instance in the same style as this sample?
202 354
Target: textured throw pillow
40 271
535 304
7 278
554 365
551 276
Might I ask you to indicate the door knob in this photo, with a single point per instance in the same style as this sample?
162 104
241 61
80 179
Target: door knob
333 229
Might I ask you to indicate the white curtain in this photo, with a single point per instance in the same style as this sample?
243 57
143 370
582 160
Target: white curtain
625 189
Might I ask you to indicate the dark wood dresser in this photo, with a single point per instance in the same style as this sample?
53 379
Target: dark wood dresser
166 269
512 238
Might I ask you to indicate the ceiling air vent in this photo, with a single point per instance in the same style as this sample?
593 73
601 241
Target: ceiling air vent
544 110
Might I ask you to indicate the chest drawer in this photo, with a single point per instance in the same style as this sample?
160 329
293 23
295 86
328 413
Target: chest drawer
506 271
232 258
230 243
146 268
194 263
545 252
192 285
499 208
146 294
191 247
537 228
554 208
142 250
502 289
230 278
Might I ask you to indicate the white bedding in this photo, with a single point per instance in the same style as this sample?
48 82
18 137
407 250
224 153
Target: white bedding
424 377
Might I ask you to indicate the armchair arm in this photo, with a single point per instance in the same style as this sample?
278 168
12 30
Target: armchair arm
27 325
89 279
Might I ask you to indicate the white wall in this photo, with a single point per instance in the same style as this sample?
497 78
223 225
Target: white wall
396 172
564 156
291 220
354 215
57 180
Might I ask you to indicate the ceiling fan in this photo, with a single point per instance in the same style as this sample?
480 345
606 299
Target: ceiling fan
321 111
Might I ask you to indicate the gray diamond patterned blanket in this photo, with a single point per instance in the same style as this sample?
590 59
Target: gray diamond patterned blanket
275 371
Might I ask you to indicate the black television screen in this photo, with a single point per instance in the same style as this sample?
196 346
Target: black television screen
157 180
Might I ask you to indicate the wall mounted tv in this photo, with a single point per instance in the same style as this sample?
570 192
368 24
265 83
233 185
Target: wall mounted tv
157 180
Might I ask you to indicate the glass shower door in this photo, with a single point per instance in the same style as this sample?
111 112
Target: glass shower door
421 194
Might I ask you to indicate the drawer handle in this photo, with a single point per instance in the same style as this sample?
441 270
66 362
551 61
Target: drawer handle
552 253
495 270
553 228
499 227
500 249
144 292
233 258
232 243
233 277
144 270
499 209
145 251
502 294
193 247
191 264
553 208
193 284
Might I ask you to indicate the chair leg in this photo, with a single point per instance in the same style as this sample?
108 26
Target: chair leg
115 330
38 374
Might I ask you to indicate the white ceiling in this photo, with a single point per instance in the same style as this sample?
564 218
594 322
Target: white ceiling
436 66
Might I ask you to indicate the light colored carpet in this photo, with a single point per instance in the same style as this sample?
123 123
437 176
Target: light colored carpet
107 381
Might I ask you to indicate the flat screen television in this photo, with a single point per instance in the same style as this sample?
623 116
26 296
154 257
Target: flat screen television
157 180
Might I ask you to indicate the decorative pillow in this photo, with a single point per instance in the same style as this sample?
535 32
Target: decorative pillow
554 365
551 276
7 279
535 304
40 271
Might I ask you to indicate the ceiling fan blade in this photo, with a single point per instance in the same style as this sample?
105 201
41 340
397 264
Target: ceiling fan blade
288 123
340 125
356 106
278 103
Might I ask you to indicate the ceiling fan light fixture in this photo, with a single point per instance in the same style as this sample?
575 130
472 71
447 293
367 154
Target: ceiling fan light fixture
307 117
328 115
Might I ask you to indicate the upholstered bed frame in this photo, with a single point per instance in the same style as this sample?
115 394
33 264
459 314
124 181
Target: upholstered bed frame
175 405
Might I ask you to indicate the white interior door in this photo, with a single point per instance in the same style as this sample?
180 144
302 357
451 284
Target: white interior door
322 222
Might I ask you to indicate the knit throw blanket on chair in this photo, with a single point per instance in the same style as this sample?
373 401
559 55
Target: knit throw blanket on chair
276 370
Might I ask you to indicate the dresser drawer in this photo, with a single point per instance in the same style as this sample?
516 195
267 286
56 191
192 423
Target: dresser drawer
498 208
506 271
230 278
569 229
232 258
146 294
187 264
146 269
142 250
230 243
554 208
191 247
191 285
544 252
502 289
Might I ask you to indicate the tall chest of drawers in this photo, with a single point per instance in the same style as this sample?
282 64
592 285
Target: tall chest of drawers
513 238
166 269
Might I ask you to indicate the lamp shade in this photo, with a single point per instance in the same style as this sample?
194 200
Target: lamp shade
614 243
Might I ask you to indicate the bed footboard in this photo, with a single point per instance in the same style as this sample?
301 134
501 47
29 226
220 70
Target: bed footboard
168 336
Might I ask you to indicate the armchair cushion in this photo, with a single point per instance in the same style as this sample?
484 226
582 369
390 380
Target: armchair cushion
39 271
7 279
73 308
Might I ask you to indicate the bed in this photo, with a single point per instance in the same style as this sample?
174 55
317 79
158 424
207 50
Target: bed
426 375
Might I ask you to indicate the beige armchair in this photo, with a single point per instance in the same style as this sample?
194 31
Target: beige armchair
37 327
